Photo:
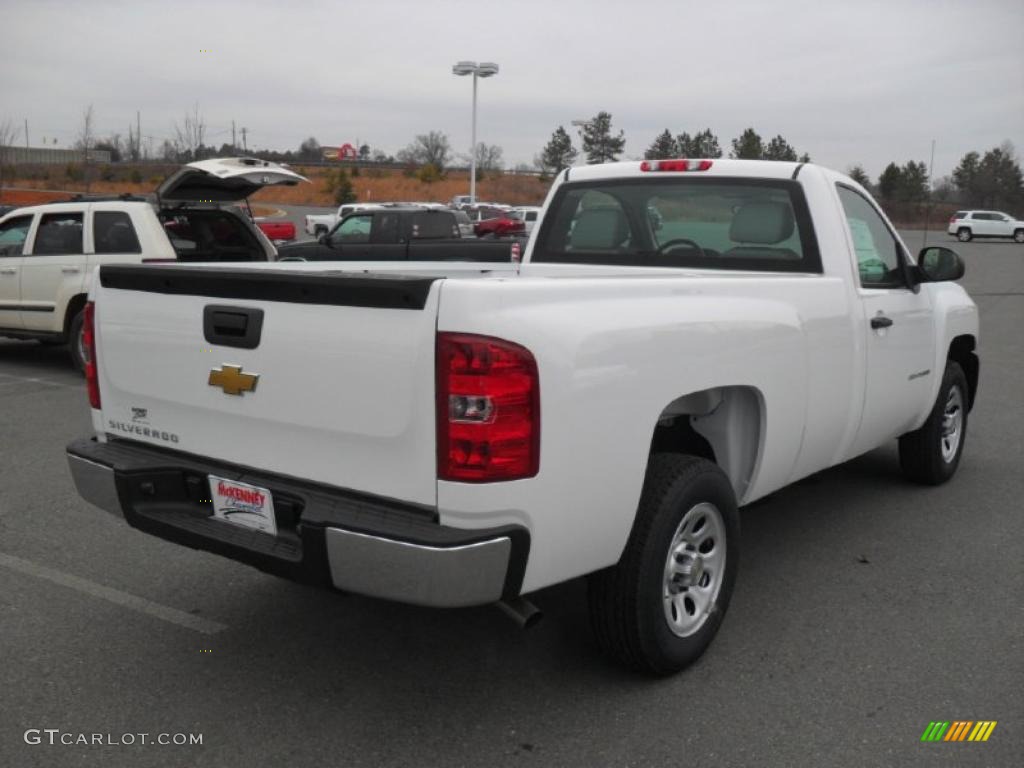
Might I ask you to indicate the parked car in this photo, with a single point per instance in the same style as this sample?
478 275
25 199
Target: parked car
278 231
966 225
460 437
410 233
48 252
528 214
318 224
465 224
500 226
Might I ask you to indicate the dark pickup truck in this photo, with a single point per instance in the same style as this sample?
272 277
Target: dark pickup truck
400 234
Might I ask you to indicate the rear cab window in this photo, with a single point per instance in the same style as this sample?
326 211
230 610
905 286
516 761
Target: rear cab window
13 234
721 223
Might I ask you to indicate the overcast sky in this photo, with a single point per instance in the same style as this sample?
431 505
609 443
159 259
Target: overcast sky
847 82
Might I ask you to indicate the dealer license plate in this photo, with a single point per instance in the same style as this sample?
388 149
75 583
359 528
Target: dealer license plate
247 506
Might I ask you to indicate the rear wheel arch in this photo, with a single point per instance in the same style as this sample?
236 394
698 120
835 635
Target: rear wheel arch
75 305
961 350
721 424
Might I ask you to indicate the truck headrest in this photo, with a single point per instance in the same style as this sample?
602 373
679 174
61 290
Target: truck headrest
765 223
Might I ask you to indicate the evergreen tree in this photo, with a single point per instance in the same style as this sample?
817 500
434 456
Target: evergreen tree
344 192
701 145
557 153
664 147
748 146
705 145
858 174
999 182
890 182
913 183
965 176
779 149
598 143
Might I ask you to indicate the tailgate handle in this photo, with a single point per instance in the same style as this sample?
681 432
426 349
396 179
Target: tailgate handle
231 326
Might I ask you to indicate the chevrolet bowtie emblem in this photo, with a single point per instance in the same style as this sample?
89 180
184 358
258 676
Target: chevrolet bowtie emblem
231 379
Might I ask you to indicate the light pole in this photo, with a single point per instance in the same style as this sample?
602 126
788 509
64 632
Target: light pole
582 125
483 69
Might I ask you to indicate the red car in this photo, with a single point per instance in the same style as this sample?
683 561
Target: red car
502 225
277 231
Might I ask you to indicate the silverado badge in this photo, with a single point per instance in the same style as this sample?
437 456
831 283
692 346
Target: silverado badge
231 379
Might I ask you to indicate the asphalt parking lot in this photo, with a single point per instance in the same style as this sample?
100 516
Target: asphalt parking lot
866 607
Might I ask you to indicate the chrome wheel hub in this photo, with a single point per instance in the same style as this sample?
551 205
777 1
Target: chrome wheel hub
694 569
952 425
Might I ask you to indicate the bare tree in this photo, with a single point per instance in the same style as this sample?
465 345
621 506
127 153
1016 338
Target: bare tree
489 157
85 141
7 133
428 149
189 137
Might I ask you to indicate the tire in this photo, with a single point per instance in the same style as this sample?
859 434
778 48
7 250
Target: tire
75 341
319 232
964 235
931 454
1018 236
687 505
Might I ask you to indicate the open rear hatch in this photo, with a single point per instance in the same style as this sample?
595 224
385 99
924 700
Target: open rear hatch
224 180
327 377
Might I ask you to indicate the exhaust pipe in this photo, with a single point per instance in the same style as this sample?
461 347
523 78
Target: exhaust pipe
521 611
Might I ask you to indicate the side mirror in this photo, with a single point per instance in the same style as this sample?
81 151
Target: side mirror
937 264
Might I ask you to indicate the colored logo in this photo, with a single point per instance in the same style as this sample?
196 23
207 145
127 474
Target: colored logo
231 379
959 730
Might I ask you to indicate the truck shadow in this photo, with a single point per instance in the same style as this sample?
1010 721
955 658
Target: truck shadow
31 358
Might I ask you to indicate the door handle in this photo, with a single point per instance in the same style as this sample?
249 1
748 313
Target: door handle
880 321
9 271
70 270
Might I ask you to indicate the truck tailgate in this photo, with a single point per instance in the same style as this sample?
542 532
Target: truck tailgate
345 367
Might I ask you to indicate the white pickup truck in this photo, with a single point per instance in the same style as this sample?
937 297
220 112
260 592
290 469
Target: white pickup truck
319 224
457 434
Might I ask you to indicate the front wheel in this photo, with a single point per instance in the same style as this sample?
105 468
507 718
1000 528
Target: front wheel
931 454
963 235
1018 236
658 609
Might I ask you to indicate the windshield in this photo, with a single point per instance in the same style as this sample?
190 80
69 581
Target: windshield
748 224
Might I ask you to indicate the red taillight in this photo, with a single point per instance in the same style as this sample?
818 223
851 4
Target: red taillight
92 379
675 165
488 409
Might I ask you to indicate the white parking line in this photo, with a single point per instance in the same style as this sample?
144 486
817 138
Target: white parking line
32 380
116 596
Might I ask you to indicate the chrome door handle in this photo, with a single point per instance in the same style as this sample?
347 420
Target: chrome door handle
70 270
9 271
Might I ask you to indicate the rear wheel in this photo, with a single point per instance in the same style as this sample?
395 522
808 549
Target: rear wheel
76 342
319 232
931 454
963 235
1018 235
658 609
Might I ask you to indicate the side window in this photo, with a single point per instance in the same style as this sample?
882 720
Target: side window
354 229
58 234
878 252
385 228
432 225
112 232
13 233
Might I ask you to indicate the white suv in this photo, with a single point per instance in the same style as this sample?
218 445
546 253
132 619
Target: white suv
47 252
965 225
